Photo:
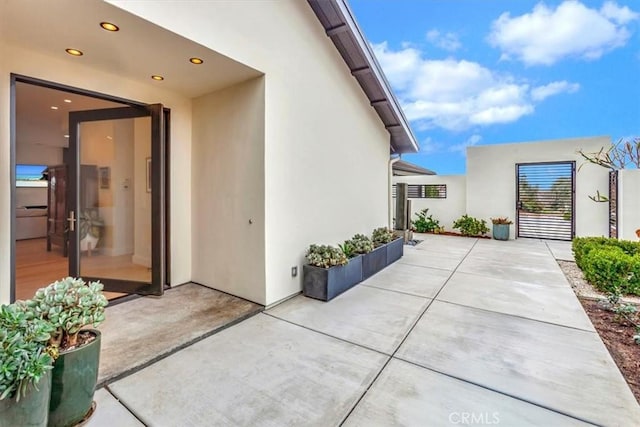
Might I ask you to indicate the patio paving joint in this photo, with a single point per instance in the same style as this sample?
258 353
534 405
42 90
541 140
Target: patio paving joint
123 404
517 316
497 391
104 382
326 334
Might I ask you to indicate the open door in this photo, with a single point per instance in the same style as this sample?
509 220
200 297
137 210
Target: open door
116 210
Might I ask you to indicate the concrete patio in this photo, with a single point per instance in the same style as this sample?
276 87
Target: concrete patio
459 331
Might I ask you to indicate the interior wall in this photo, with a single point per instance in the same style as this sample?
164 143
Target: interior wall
69 71
491 183
228 204
326 150
446 210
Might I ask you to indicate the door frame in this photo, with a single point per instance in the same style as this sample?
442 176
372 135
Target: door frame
166 115
573 193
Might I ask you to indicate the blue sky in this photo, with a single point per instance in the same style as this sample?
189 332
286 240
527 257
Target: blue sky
472 72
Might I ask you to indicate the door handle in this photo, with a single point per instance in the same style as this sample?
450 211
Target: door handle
72 220
519 204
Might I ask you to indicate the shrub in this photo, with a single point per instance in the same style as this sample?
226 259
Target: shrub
325 256
381 236
360 243
424 223
583 245
470 226
68 305
609 268
23 356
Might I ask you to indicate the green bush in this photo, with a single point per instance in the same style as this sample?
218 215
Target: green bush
424 223
583 245
470 226
608 267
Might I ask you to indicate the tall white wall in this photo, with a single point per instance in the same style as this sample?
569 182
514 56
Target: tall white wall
73 73
491 183
628 204
326 151
228 204
444 210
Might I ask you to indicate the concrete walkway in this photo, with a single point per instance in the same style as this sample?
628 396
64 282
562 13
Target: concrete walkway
458 332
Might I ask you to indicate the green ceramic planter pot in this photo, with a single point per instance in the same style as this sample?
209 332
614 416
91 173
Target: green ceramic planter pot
31 410
501 231
74 379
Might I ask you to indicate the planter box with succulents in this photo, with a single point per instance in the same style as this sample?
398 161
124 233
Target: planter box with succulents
329 272
387 250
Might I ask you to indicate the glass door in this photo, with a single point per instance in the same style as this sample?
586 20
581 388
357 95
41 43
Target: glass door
116 217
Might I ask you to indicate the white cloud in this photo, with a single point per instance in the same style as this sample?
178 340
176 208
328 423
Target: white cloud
457 94
540 93
546 35
447 41
462 147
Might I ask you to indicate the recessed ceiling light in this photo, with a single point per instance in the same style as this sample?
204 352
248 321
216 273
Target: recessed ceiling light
66 136
157 77
109 26
196 61
108 137
74 52
68 101
53 107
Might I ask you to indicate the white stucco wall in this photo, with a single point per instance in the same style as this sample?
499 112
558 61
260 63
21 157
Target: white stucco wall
628 204
491 183
33 64
228 213
444 210
326 151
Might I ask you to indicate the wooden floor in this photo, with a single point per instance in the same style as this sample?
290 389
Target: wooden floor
36 268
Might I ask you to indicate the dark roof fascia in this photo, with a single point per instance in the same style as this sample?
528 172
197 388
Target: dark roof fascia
340 25
410 168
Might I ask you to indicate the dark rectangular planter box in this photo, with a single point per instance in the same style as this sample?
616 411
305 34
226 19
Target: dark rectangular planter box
395 250
327 283
374 261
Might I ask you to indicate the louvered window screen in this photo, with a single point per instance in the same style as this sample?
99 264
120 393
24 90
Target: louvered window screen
425 191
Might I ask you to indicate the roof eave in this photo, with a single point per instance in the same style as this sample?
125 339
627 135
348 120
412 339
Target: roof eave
340 25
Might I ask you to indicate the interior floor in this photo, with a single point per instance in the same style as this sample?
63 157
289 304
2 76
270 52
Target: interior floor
35 267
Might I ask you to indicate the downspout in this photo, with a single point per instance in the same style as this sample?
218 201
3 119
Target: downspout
392 160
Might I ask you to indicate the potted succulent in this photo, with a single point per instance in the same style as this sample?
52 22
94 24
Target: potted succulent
90 228
70 305
387 249
501 228
329 272
25 368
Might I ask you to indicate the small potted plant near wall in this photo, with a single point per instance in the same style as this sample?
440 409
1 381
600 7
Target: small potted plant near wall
90 229
70 305
25 368
501 228
329 272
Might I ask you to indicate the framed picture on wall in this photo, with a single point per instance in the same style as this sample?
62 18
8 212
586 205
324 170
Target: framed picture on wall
148 174
104 176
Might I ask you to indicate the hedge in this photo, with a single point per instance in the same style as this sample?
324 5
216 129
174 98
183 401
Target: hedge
609 264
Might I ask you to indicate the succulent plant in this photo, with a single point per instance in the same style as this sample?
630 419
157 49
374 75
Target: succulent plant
23 351
326 256
68 305
381 236
361 244
501 220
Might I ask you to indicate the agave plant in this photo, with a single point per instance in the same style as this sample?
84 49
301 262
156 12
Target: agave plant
68 305
23 351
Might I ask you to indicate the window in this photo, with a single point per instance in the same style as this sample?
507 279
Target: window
425 191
